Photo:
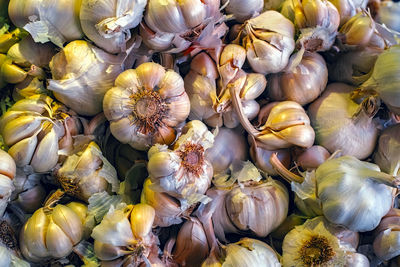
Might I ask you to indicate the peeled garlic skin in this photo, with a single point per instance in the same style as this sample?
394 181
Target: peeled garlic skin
145 105
335 129
303 84
50 235
345 194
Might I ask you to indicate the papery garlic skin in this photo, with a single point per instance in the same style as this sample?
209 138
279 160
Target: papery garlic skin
48 20
82 74
87 172
108 23
183 172
341 124
303 83
268 39
145 105
223 154
50 234
345 186
243 10
387 236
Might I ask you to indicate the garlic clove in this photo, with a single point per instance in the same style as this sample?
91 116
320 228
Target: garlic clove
142 218
34 232
171 85
179 110
23 151
79 209
21 128
299 135
57 242
7 165
32 199
202 64
12 73
165 16
164 135
116 103
24 248
129 79
150 74
254 86
358 30
46 153
69 222
162 164
312 157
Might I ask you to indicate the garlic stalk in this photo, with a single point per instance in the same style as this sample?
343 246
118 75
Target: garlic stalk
342 188
244 253
268 39
239 207
211 100
108 23
47 20
387 236
341 124
222 154
387 152
384 79
242 11
183 172
145 106
318 21
7 174
302 83
317 242
191 247
82 74
125 231
287 125
87 172
51 232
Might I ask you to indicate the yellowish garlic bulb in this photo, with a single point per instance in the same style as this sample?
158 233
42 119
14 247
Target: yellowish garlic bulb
264 54
125 231
302 83
183 172
82 74
49 20
87 172
145 105
50 233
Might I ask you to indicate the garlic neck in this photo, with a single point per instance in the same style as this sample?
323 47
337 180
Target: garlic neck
366 111
283 172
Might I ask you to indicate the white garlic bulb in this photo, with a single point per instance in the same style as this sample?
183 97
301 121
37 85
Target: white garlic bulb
87 172
108 23
145 105
268 39
48 20
82 74
243 10
184 171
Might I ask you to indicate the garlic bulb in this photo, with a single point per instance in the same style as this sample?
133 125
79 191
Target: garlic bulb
29 193
387 154
318 21
268 39
108 22
348 8
50 233
125 231
384 79
387 236
354 67
302 83
222 154
317 242
238 208
191 247
145 105
87 172
388 14
287 125
47 20
341 124
245 253
184 171
168 209
243 10
30 133
82 74
7 174
211 100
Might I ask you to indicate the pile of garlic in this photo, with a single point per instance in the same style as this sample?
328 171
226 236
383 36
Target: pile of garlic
199 133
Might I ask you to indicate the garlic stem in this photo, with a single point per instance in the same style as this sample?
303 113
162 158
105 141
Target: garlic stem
381 177
283 172
52 200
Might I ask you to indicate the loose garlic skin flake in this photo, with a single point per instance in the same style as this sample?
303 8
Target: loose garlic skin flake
145 105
